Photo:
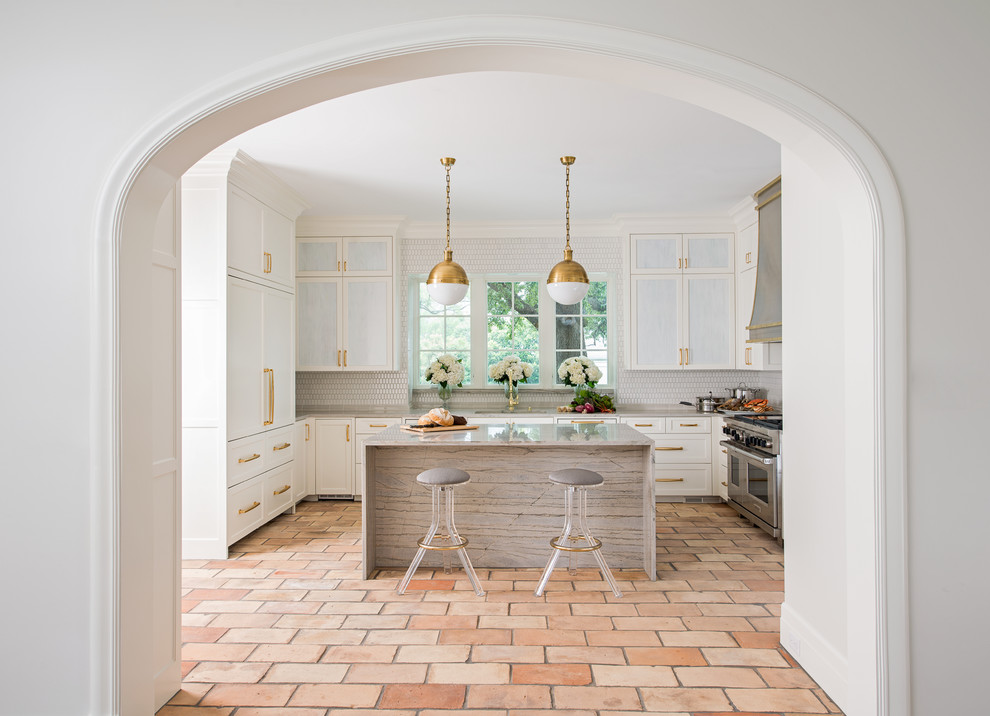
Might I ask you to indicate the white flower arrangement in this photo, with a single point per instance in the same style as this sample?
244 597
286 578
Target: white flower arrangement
510 369
579 371
445 370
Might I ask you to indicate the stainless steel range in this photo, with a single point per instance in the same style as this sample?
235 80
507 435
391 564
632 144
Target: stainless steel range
753 447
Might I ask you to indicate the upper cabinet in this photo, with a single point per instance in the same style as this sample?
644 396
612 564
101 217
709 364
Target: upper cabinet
681 253
345 296
344 256
261 239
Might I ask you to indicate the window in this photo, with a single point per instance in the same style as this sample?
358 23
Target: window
509 315
443 329
582 329
514 324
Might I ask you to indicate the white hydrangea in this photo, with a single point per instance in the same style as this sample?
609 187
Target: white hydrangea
444 370
579 371
512 369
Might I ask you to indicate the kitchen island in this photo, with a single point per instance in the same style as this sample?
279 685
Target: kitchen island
510 510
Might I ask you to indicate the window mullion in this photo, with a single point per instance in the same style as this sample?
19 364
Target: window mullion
479 332
548 338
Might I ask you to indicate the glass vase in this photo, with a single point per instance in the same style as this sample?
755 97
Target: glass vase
444 392
512 393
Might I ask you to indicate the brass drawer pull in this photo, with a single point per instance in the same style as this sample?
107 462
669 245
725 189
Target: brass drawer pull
587 422
256 504
669 448
248 459
643 425
307 432
282 446
689 425
670 479
375 425
284 489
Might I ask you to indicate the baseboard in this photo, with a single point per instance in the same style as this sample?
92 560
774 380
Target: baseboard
203 549
816 655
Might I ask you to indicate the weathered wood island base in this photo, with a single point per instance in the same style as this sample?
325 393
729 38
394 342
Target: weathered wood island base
510 510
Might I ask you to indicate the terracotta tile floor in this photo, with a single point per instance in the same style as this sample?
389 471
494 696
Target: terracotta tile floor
287 626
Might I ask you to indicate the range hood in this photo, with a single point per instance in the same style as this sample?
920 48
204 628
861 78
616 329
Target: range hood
765 324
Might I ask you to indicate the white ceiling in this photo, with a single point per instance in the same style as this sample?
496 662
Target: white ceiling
377 152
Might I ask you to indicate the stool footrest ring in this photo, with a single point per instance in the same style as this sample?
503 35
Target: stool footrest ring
592 546
443 548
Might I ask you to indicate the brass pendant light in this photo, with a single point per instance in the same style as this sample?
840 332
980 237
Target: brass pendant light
448 282
568 281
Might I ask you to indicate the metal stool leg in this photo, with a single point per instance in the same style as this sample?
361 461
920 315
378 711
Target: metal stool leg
606 572
559 544
443 511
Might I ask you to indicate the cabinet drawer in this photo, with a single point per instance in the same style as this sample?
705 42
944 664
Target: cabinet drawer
682 448
587 421
683 480
689 425
278 447
245 508
649 426
245 459
278 490
374 425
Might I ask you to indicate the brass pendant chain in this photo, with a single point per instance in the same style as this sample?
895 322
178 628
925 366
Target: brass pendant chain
567 167
448 207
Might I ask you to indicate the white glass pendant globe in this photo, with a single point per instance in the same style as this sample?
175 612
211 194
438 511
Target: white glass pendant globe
447 294
566 292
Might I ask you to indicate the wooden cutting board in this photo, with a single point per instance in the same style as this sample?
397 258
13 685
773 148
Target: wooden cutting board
435 428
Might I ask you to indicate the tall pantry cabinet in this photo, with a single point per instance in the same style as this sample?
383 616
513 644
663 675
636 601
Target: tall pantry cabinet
238 348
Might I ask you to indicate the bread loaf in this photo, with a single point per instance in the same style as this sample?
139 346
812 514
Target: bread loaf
441 416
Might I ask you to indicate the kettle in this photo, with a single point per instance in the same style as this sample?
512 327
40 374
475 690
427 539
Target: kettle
707 404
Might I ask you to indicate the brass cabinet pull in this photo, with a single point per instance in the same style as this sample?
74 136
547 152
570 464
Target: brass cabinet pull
338 358
680 356
279 492
725 484
248 459
282 446
686 359
689 425
345 265
271 396
587 422
670 479
726 452
345 350
338 264
347 433
669 448
749 355
268 263
373 425
749 259
307 432
643 425
679 264
256 504
685 262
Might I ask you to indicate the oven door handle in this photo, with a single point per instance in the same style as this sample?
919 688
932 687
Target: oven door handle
751 455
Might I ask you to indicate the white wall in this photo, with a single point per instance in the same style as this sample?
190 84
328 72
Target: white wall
814 615
82 80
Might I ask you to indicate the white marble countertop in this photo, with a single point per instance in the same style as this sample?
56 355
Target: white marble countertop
517 416
519 435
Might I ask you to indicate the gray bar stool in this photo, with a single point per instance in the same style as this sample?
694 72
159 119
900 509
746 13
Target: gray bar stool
576 483
441 481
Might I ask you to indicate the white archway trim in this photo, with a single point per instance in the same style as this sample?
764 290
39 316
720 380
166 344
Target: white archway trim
767 101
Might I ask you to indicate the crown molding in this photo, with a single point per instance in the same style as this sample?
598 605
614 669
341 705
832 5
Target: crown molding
744 213
348 225
244 172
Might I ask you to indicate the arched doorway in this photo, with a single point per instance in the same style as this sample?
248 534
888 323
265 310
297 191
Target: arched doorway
820 136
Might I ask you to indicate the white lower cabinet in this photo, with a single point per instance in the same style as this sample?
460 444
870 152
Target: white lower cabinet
720 460
682 454
278 491
245 508
363 429
301 434
334 457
